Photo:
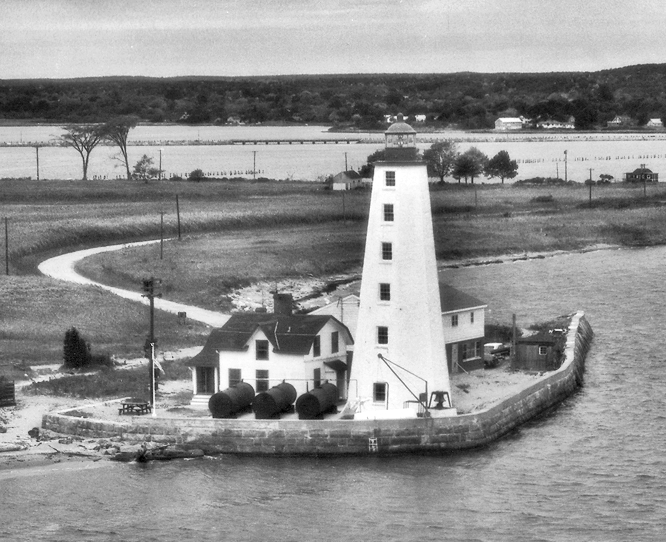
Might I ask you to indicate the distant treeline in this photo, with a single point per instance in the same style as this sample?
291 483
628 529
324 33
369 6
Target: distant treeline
459 100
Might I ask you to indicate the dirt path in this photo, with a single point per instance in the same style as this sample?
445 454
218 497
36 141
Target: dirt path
63 268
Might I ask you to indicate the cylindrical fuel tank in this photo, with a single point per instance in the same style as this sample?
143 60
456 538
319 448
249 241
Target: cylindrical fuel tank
225 404
269 404
313 404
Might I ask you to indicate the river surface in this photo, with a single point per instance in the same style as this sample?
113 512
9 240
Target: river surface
592 470
541 154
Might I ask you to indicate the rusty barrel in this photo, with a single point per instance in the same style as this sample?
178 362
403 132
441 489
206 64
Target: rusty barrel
227 403
314 403
269 404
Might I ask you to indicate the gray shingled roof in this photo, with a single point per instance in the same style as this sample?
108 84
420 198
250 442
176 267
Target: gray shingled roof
455 300
288 334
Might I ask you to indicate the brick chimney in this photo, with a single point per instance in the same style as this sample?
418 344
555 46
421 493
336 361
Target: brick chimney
282 304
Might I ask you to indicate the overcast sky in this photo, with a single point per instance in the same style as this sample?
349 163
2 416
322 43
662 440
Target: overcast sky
162 38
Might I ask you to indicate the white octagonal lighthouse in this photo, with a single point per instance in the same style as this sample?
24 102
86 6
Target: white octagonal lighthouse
399 368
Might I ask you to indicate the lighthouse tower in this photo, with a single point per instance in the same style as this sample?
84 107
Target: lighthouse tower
399 363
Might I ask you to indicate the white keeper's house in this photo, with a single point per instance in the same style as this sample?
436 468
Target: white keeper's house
265 349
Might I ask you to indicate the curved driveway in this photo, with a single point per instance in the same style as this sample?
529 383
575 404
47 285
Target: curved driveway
62 268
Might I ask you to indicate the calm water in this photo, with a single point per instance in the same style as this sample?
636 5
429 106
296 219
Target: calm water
593 470
544 157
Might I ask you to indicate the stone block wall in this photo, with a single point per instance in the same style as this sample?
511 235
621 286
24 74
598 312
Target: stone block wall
324 437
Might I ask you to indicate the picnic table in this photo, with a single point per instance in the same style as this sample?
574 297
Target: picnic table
134 406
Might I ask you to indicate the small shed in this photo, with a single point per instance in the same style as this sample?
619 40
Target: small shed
641 175
346 180
539 352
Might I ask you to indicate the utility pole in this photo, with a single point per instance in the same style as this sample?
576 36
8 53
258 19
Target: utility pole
254 165
565 166
346 168
591 186
159 173
37 152
7 245
178 215
161 235
151 344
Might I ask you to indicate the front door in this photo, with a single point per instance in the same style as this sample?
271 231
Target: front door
454 358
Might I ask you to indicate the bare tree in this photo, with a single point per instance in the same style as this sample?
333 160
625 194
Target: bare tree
84 138
116 131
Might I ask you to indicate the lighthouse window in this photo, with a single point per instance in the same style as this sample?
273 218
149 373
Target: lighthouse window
388 212
379 392
390 178
382 335
387 251
385 292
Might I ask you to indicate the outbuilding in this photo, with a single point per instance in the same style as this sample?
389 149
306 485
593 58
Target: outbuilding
539 352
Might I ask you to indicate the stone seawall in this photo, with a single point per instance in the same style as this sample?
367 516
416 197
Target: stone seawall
323 437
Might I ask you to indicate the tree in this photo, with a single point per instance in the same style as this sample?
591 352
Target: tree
116 131
76 352
84 138
501 166
368 169
144 170
470 164
440 158
197 175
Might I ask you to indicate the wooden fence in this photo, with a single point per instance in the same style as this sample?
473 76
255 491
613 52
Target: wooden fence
7 393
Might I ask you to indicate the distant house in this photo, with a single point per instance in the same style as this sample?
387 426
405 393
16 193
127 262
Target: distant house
539 352
618 121
265 349
655 123
346 180
463 318
556 125
508 123
641 175
420 118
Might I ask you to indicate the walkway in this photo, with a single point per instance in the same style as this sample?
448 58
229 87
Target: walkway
63 268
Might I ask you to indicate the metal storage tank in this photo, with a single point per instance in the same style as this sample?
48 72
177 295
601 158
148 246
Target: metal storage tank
271 403
228 403
313 404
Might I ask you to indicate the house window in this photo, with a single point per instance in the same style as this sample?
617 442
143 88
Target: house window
387 251
261 349
335 336
384 291
382 335
206 380
471 317
463 348
317 378
477 349
316 347
390 178
234 377
388 212
454 320
543 350
379 390
262 381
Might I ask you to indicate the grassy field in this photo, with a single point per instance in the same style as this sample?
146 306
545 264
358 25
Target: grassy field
234 233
